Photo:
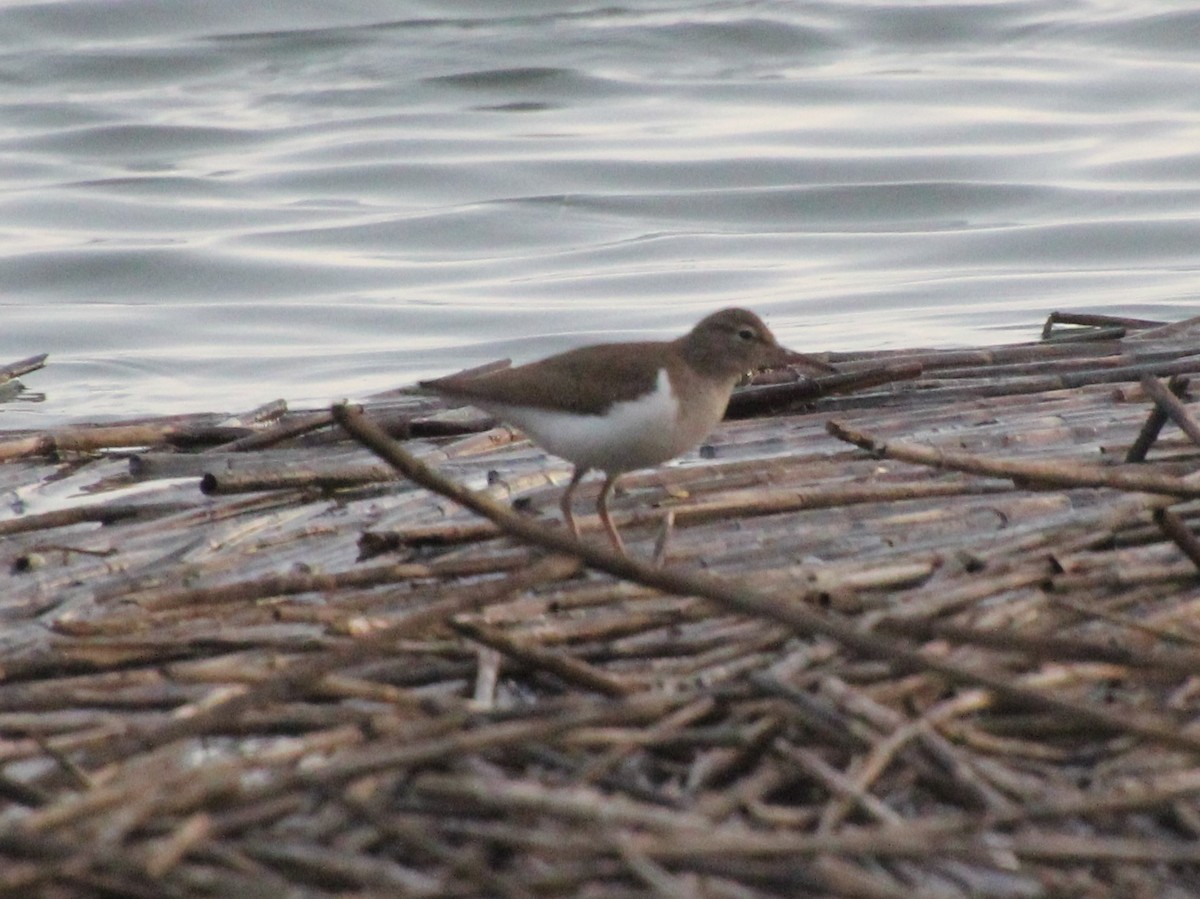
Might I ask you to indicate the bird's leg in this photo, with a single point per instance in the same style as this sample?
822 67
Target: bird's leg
565 502
602 507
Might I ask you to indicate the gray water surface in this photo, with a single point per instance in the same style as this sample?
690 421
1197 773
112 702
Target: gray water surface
204 206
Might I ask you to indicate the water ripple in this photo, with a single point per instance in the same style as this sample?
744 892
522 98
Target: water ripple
329 199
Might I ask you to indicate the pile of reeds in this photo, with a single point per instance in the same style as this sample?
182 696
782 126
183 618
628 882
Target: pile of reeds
926 628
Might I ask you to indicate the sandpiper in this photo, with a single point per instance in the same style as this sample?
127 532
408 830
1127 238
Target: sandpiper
623 406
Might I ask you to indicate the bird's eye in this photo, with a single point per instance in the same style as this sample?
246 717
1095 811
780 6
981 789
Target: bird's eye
746 334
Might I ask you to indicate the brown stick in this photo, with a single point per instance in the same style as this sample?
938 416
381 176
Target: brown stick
1034 474
1095 321
81 440
568 669
284 430
1154 421
105 513
760 400
1082 335
1058 649
293 478
374 543
1167 399
1176 528
913 840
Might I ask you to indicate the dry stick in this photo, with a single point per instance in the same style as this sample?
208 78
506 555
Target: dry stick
269 411
1084 335
1167 331
1000 373
670 724
1015 359
1153 791
757 399
853 704
1095 321
1087 610
780 499
1039 474
51 443
106 513
407 425
169 851
838 783
722 765
284 430
572 803
1167 399
984 357
1175 528
277 585
305 862
293 477
568 669
867 770
28 795
662 882
374 543
912 840
1155 420
23 367
1019 385
751 602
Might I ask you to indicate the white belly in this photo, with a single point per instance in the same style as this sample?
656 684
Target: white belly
634 434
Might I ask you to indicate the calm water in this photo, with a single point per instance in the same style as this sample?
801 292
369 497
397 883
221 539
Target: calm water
205 206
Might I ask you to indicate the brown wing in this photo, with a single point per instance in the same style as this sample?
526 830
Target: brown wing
585 381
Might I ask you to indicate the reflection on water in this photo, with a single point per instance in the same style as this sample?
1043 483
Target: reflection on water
331 201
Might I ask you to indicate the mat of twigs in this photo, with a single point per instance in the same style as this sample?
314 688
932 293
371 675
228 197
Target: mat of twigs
929 627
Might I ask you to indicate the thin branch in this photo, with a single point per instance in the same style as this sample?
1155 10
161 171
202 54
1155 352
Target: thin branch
1030 474
1167 399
